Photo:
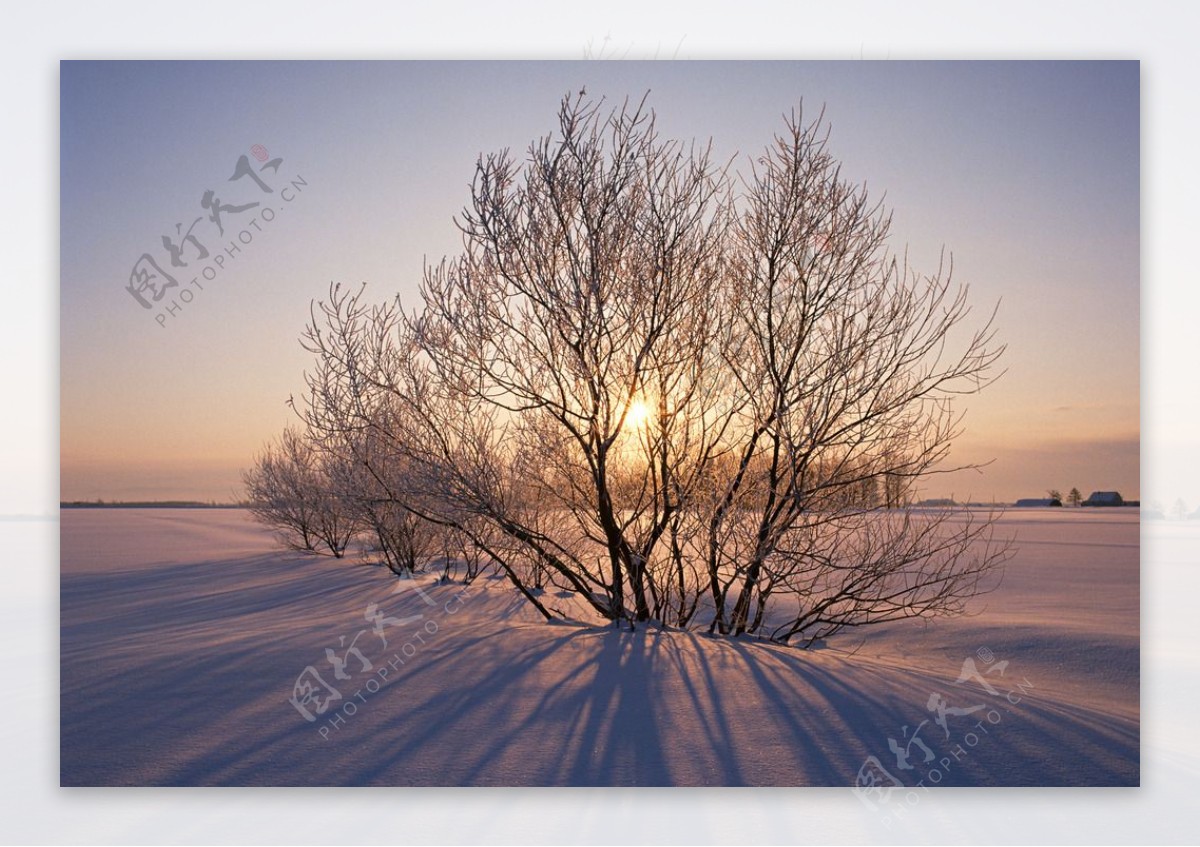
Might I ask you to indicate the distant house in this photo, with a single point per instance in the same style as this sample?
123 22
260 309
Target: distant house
1038 502
1104 498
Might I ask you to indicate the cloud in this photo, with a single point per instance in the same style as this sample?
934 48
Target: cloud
1082 407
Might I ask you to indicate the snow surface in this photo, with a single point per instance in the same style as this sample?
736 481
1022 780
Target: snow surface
184 632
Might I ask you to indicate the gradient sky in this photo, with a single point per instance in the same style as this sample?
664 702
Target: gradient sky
1028 172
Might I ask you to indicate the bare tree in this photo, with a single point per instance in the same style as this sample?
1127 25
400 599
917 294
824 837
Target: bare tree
848 376
376 492
681 396
291 487
1074 497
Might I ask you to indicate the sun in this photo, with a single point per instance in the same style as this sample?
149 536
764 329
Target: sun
638 414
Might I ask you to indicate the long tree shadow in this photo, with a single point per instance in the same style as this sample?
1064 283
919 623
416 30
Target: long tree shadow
620 708
200 697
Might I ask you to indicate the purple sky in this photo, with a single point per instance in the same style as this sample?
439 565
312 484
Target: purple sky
1027 171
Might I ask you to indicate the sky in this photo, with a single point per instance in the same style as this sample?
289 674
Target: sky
1027 173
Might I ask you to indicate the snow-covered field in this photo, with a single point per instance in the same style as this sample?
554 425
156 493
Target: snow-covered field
194 652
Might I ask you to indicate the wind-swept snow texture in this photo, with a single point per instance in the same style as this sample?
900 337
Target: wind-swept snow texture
195 652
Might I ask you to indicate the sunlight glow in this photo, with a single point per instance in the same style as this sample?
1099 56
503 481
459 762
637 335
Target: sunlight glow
637 415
